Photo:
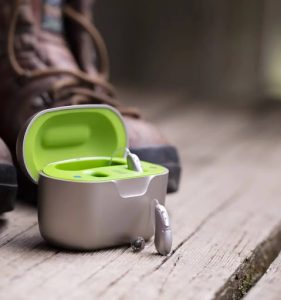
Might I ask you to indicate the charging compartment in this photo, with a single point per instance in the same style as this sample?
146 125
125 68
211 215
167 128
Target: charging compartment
87 197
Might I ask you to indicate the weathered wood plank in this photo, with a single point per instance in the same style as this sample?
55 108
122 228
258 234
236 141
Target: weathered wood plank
225 218
269 287
207 255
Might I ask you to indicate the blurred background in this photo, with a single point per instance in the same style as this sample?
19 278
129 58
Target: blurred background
212 50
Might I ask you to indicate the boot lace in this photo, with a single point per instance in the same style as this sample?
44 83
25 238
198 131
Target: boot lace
77 87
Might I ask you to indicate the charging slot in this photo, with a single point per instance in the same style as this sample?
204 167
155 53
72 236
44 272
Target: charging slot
99 174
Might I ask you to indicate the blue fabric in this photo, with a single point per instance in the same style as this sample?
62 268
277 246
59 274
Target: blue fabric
51 15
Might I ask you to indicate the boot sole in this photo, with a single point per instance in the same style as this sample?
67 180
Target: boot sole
8 187
166 156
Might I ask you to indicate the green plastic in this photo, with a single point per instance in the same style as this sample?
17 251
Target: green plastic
72 133
98 169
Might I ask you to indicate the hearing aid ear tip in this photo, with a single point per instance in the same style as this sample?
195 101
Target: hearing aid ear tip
138 244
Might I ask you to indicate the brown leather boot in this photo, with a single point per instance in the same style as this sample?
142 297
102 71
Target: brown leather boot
39 71
8 179
91 55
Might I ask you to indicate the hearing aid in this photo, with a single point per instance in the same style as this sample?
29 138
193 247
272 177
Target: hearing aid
163 232
133 161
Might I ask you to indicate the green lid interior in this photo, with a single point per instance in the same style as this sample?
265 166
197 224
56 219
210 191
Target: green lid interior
72 132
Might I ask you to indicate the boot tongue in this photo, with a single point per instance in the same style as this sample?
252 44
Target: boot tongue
52 16
80 42
52 36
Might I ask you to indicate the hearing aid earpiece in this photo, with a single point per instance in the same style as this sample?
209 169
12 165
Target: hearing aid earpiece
163 232
138 244
133 161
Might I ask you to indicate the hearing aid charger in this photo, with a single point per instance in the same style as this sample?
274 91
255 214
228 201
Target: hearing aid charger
88 199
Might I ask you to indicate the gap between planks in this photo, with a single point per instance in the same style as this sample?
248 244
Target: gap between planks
269 286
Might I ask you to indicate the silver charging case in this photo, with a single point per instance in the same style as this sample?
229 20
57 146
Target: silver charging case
87 214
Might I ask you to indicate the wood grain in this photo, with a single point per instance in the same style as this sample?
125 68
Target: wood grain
226 218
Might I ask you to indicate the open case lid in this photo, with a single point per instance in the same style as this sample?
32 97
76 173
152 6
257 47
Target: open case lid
70 132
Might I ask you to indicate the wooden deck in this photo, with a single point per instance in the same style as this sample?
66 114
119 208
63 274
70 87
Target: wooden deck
226 220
